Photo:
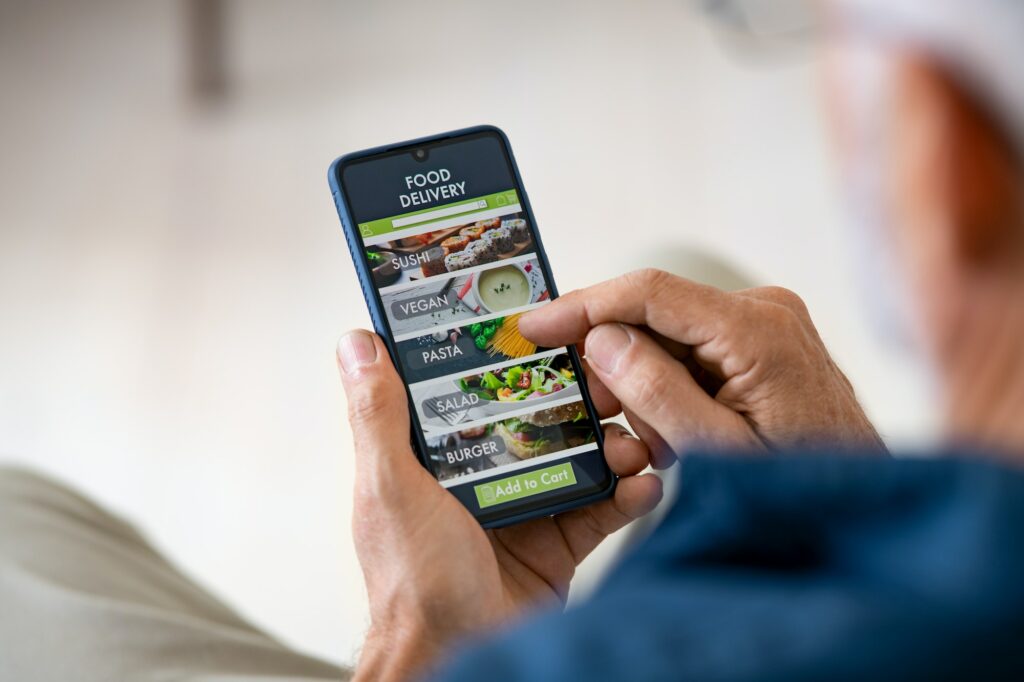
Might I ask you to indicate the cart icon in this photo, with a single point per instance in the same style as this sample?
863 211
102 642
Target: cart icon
487 493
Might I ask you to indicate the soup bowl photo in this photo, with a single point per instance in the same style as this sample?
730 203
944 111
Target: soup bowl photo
503 288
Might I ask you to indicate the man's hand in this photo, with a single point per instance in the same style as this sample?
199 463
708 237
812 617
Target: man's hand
695 365
432 573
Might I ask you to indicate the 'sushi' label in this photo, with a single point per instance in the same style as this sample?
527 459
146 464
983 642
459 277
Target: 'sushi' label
416 261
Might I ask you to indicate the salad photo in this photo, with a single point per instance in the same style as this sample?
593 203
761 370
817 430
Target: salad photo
496 391
525 381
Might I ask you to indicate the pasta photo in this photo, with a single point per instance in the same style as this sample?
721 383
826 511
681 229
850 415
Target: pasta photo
464 349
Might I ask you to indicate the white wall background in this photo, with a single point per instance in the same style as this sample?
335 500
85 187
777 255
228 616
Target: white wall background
173 279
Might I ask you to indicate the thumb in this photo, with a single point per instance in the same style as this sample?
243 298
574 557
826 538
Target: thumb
656 389
378 411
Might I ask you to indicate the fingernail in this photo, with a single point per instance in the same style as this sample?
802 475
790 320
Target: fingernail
605 345
355 350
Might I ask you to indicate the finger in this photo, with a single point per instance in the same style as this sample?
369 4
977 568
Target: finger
377 409
680 351
658 389
585 528
606 404
625 453
782 297
685 311
707 375
662 455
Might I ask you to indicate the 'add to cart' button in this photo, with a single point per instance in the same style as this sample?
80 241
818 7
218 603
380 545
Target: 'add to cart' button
524 485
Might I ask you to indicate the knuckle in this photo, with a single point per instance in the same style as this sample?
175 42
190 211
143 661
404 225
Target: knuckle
649 279
659 289
564 300
780 318
367 406
650 387
786 298
772 305
771 325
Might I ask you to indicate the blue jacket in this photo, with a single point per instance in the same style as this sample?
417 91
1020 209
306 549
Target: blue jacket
803 567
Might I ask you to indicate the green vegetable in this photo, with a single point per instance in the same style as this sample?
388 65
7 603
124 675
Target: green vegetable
513 376
539 376
516 425
488 380
480 341
538 380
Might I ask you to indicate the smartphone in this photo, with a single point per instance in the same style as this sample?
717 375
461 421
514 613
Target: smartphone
449 257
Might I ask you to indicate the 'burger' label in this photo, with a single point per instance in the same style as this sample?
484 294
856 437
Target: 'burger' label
469 451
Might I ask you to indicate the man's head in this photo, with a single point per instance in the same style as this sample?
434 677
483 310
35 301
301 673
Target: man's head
928 109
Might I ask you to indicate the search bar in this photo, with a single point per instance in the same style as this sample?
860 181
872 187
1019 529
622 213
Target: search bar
439 213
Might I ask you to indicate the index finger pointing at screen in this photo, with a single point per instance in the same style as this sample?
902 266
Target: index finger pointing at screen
675 307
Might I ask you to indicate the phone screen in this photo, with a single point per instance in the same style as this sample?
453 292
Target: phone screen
455 260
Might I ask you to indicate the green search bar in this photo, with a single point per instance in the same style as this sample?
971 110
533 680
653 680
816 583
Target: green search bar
419 221
439 213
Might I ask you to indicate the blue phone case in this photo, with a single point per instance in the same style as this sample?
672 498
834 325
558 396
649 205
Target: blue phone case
377 313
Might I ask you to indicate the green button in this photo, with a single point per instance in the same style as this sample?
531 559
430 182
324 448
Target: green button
524 485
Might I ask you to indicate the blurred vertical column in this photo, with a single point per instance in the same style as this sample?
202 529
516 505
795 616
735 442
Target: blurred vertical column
206 50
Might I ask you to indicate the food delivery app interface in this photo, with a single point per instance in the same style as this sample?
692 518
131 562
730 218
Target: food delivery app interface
454 260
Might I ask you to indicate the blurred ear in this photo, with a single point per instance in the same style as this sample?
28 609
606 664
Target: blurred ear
958 166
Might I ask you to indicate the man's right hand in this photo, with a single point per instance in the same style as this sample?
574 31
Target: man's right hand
694 365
